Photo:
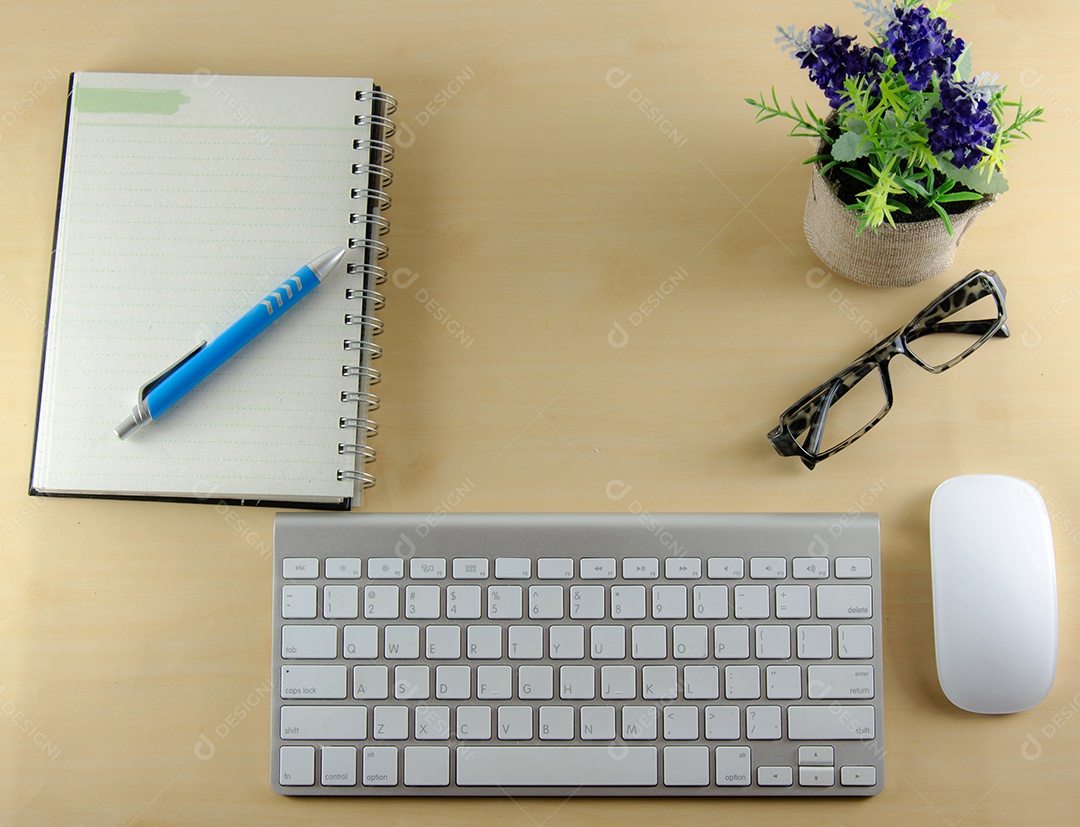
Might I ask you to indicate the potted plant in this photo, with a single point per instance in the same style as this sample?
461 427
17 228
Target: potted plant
913 148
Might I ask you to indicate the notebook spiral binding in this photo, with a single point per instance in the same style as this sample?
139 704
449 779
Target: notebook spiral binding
374 176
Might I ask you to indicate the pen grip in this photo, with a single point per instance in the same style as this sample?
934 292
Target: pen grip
209 358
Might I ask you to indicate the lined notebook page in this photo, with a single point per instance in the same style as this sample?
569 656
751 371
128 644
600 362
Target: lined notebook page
186 199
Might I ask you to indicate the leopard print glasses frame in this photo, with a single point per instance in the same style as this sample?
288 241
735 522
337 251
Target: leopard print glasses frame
801 431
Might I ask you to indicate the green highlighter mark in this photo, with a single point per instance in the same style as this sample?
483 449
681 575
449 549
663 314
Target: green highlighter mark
131 101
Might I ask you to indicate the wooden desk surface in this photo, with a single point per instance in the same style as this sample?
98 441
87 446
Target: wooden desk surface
601 300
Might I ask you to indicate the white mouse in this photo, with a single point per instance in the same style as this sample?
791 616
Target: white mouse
995 593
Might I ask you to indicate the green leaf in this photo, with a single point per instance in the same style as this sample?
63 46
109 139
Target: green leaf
961 196
964 66
849 146
975 179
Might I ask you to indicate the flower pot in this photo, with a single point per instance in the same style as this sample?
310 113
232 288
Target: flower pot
899 256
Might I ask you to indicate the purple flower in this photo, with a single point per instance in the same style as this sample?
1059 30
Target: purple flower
831 59
923 46
961 123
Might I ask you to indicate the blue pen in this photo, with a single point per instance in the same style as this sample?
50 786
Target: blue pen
166 389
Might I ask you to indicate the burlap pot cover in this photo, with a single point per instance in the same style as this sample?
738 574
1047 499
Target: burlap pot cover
898 256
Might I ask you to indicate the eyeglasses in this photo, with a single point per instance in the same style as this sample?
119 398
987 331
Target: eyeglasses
841 409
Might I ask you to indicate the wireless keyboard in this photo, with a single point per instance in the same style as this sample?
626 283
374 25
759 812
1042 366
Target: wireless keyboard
577 654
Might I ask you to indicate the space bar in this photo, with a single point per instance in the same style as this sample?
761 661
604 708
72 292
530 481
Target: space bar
556 767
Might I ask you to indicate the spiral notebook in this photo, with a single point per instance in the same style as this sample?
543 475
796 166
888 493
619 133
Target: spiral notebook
184 200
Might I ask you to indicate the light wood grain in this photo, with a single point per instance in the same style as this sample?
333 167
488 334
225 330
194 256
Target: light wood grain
599 276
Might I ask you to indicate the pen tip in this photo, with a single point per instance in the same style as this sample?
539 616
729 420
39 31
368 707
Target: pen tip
324 264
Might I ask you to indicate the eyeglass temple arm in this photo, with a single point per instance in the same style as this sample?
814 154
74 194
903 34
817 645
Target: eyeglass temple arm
817 424
976 328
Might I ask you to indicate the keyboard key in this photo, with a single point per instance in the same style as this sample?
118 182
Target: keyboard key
845 601
597 568
361 641
816 776
341 602
338 766
546 602
432 723
701 683
783 682
536 683
324 723
690 642
855 641
587 602
682 568
640 568
607 642
814 641
313 682
453 682
296 766
494 683
300 568
427 568
298 602
681 724
412 682
385 568
627 602
793 602
513 568
853 776
816 756
470 568
525 643
618 682
342 568
686 766
577 683
371 683
852 568
427 766
768 568
751 602
722 723
402 642
562 766
473 724
660 683
390 723
381 602
835 722
597 723
669 602
774 776
515 723
556 723
309 642
742 682
725 568
567 642
639 723
731 642
733 766
504 602
442 642
829 682
555 568
648 642
463 602
773 642
380 766
711 602
810 568
763 723
422 602
483 642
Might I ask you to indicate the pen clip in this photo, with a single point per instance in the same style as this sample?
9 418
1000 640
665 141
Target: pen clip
144 391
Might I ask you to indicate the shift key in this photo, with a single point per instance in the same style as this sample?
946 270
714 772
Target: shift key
313 682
